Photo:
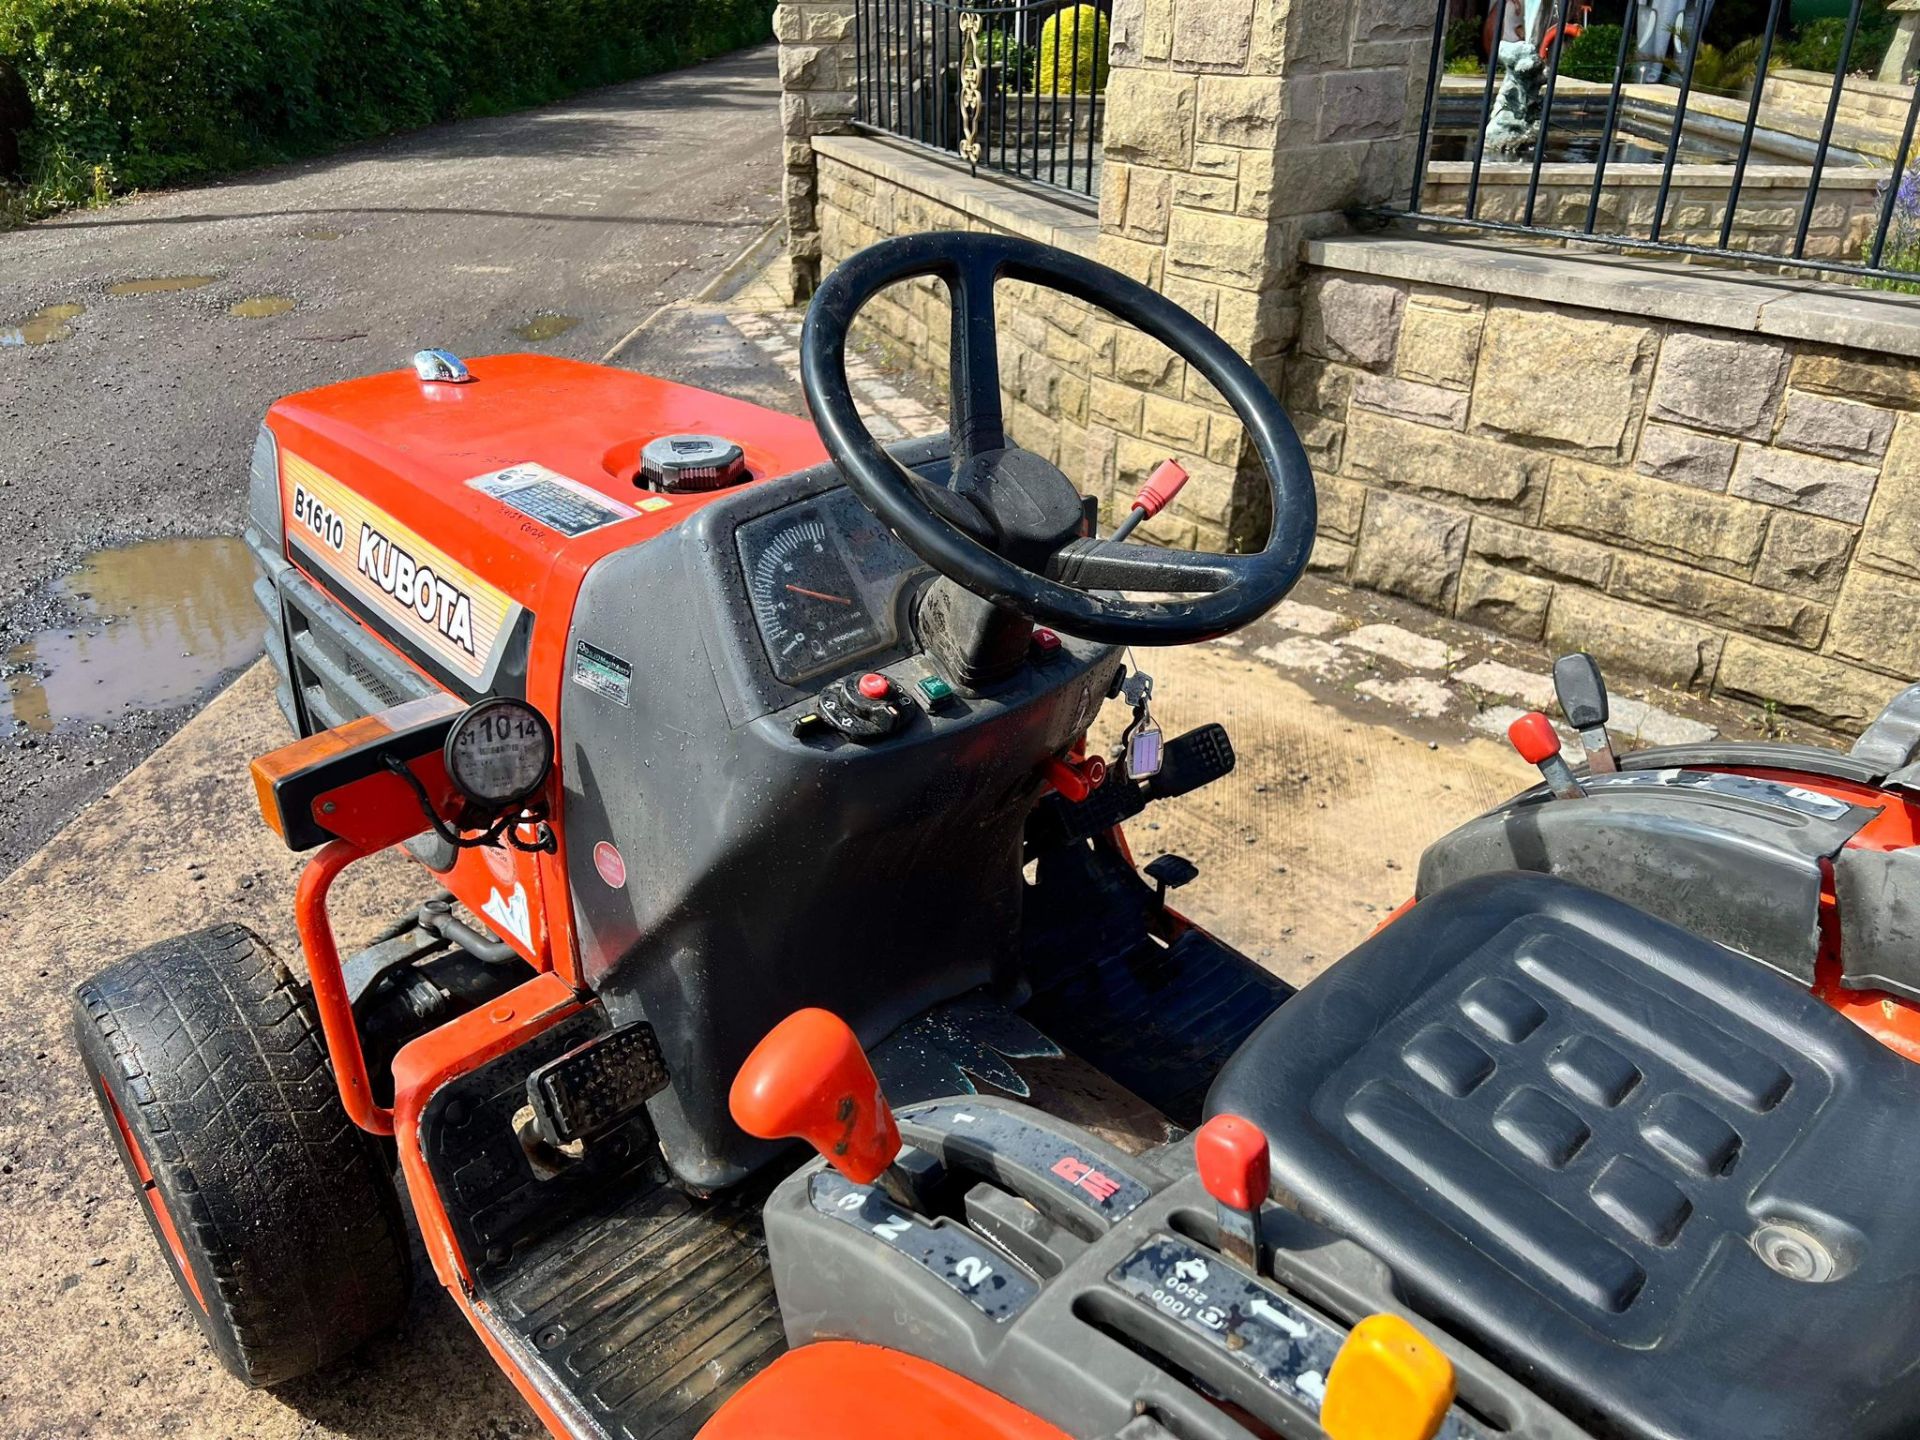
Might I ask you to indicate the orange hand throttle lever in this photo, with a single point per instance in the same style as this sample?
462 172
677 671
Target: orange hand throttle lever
810 1080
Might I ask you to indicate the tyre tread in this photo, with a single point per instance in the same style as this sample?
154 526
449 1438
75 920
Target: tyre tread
290 1205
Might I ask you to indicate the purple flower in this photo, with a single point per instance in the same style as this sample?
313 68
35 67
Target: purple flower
1906 204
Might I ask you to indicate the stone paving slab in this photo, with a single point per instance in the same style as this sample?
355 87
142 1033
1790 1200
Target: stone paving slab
891 414
1417 677
1495 677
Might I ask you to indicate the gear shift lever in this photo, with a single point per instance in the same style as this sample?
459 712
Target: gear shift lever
810 1080
1538 742
1232 1156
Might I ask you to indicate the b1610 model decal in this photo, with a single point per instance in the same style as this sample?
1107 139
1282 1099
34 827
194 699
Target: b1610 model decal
320 522
426 597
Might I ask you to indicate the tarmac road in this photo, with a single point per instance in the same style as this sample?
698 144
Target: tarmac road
136 421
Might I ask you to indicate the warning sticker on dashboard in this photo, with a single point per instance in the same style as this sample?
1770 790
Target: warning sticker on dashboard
556 501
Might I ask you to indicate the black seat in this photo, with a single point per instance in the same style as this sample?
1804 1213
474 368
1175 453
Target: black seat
1572 1130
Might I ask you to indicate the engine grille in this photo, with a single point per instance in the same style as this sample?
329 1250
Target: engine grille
331 671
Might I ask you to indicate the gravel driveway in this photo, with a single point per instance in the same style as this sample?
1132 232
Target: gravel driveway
168 323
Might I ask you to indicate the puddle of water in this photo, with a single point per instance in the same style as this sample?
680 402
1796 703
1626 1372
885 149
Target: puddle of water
546 327
45 326
260 307
159 284
160 622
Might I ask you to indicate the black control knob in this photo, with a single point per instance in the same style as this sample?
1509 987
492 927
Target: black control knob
861 710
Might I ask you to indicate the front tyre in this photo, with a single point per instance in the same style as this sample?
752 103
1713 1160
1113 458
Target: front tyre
276 1214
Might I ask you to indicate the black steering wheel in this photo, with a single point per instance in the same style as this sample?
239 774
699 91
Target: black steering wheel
1009 525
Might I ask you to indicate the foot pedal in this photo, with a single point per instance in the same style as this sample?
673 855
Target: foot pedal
1197 758
596 1085
1170 872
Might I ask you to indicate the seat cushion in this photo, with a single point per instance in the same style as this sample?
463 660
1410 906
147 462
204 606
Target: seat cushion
1572 1129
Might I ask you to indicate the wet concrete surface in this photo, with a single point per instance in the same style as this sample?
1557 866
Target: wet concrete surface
99 1342
141 343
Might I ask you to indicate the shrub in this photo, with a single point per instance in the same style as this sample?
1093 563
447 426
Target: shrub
1010 57
1075 38
1462 40
154 92
1816 46
1592 54
1902 250
1716 71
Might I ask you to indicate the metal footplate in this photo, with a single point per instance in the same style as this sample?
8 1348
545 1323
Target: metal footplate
596 1085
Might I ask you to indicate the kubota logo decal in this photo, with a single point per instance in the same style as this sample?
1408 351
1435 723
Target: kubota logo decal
442 605
432 605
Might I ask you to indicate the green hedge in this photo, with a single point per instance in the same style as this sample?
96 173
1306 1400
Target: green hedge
137 93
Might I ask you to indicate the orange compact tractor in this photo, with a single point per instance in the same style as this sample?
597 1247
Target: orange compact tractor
746 760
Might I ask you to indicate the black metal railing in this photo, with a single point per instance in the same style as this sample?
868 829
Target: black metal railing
1657 139
1017 88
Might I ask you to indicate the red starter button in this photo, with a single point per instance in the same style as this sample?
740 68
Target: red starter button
875 686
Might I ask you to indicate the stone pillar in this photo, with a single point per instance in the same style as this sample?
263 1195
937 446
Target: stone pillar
1235 129
817 70
1899 58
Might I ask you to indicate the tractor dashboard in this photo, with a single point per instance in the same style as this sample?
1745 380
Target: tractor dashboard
806 806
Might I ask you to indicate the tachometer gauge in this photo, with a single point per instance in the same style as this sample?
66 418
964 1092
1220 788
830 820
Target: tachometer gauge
810 610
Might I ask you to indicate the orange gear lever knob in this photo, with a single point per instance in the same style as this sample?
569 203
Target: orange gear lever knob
1166 481
1232 1155
809 1079
1534 737
1538 742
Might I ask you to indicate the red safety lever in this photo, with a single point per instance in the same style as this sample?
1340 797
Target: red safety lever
1162 485
1235 1169
1075 778
1538 742
809 1079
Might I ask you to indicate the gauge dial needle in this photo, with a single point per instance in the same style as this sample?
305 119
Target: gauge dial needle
819 595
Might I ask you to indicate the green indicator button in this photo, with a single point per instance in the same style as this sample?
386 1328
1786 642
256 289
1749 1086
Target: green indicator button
934 690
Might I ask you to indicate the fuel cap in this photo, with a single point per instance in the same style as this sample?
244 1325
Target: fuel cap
692 463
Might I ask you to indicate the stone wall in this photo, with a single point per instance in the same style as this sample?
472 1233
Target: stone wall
1710 479
869 191
1725 512
1235 130
1766 221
